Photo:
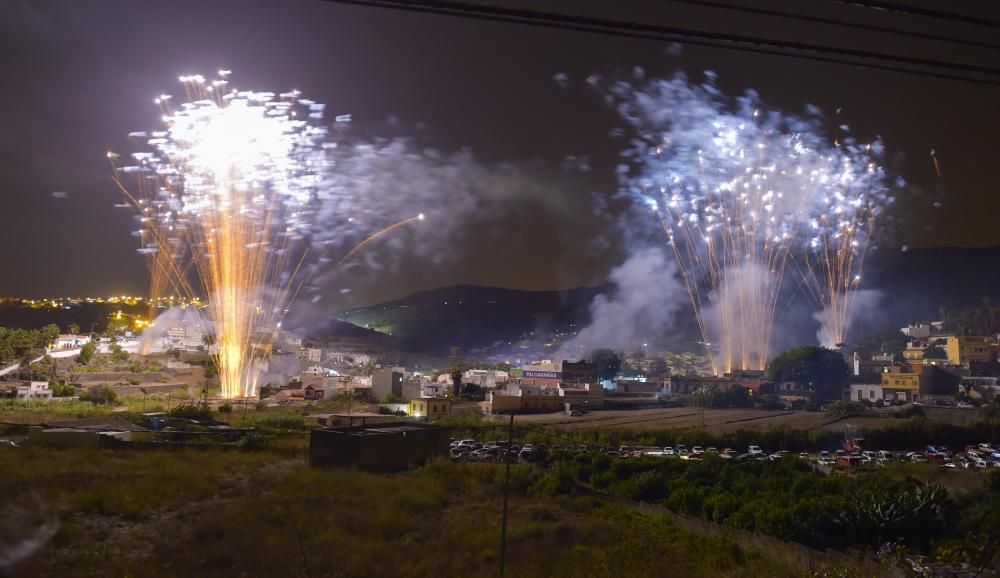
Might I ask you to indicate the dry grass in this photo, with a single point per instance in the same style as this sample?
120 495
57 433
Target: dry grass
718 420
268 514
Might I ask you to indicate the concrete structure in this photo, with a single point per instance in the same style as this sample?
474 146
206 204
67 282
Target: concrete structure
351 419
388 381
963 350
687 384
590 395
180 337
71 438
869 369
640 385
310 354
434 389
502 402
918 331
866 392
488 378
915 382
34 390
545 374
383 448
430 407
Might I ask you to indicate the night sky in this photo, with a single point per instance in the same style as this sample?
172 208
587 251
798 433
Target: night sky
81 75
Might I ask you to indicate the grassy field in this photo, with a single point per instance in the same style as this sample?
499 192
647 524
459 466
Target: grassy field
188 513
682 418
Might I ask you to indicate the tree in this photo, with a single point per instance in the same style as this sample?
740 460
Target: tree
118 354
73 329
86 352
456 383
823 370
47 336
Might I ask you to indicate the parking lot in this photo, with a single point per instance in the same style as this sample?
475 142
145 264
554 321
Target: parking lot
982 456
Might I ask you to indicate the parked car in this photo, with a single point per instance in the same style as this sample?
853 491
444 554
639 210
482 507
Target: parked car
728 454
669 452
984 447
754 450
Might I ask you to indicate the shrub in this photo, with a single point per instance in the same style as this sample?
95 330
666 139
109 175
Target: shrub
191 411
100 394
118 354
62 390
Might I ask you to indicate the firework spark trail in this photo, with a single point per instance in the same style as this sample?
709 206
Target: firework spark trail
233 178
745 196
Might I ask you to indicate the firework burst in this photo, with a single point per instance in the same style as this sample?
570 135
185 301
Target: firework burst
748 198
230 184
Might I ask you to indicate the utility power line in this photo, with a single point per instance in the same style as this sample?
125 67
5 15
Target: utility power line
819 53
918 11
835 22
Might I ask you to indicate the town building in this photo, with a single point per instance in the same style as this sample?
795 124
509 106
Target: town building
922 330
640 384
866 392
430 407
310 354
523 402
388 381
588 395
578 373
963 349
547 375
915 382
70 341
488 378
688 384
869 370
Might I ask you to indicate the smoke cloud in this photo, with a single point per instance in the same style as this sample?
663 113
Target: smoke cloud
646 297
864 303
190 319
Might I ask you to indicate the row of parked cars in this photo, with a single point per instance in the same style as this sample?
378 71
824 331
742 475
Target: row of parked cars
981 456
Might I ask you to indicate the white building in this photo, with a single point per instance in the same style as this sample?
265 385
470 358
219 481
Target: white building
922 330
432 389
34 390
867 392
180 337
489 378
71 341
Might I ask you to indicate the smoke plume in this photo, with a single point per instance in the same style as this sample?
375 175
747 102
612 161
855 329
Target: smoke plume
864 303
646 297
